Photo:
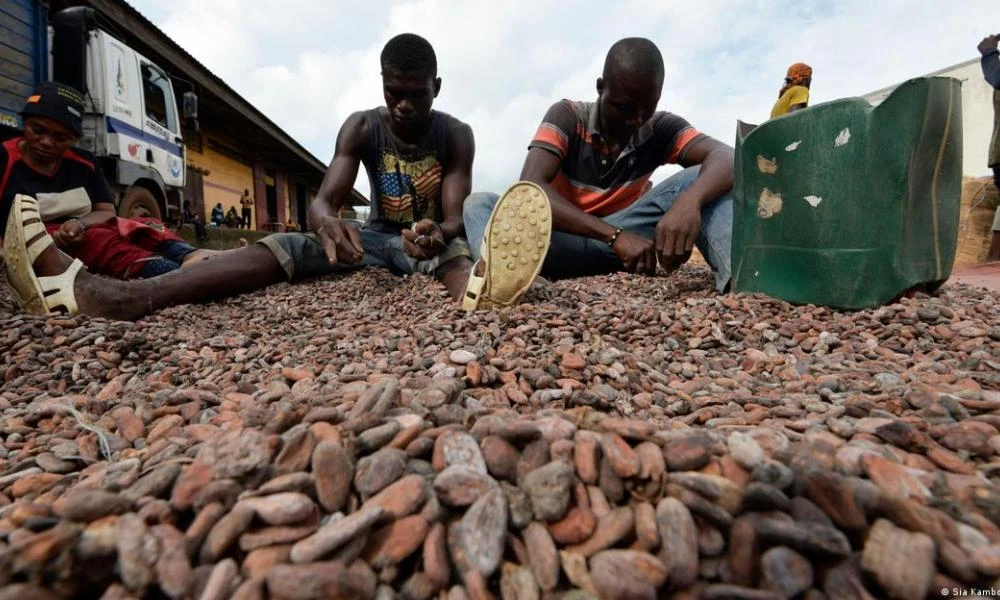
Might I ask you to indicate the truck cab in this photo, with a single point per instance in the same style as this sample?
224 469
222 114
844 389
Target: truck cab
131 122
132 119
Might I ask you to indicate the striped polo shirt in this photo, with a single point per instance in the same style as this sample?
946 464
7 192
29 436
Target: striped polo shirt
587 177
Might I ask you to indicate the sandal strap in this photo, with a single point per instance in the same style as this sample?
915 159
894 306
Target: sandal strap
29 210
58 289
473 291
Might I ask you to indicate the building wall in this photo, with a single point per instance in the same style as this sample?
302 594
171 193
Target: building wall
225 181
227 177
977 114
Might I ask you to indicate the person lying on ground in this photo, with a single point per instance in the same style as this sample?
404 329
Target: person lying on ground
590 162
74 198
419 162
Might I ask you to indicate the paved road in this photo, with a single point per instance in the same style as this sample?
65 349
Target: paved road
985 275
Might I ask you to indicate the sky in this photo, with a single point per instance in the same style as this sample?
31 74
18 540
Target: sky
308 64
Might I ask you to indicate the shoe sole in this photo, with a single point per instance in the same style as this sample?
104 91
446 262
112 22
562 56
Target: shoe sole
514 246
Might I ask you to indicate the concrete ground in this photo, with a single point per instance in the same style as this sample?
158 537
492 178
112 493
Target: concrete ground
986 275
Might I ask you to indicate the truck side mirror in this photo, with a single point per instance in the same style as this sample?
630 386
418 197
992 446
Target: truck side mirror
190 105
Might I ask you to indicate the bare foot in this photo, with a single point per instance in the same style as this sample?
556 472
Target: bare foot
95 296
455 276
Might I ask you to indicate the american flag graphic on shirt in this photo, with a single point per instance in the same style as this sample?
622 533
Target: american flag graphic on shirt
411 189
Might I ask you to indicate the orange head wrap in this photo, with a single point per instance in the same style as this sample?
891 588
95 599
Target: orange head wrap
799 73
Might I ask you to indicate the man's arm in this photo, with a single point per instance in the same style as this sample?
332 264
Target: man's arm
991 60
679 227
428 238
342 243
541 168
102 208
799 98
338 182
102 201
101 212
100 196
717 162
457 182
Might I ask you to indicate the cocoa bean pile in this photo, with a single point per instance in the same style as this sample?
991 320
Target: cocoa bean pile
618 437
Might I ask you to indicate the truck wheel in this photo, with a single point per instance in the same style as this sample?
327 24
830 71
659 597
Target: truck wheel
139 202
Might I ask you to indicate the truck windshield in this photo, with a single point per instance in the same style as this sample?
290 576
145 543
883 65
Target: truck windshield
158 97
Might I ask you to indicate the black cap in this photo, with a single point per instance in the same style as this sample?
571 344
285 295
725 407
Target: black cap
58 102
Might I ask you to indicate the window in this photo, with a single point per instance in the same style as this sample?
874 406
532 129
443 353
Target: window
158 97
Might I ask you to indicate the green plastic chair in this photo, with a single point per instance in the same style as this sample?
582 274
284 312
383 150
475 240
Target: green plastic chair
848 205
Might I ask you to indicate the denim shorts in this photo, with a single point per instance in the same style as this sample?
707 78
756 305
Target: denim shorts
301 255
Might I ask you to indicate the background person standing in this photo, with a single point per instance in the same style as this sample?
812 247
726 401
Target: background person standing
247 203
991 71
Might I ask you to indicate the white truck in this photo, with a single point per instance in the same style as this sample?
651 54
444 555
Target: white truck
131 123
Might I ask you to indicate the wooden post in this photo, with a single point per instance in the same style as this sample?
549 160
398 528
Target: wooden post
259 195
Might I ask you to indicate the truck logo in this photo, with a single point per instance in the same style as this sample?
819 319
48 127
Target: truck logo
133 149
121 89
175 166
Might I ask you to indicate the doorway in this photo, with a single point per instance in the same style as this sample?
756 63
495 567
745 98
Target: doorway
194 193
271 194
301 207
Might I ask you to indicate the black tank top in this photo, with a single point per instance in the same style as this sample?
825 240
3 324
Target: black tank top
405 186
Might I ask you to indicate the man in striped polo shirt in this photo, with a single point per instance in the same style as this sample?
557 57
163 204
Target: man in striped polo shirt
594 161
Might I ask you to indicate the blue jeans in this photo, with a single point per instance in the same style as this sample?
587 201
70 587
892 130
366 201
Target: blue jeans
172 254
301 255
577 256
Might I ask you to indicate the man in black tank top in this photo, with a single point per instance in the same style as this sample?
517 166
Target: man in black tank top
420 165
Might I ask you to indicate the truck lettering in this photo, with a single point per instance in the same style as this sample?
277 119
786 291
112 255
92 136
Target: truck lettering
156 127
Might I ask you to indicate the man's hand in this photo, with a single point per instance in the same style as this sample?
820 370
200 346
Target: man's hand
424 241
69 233
636 252
676 233
989 43
341 242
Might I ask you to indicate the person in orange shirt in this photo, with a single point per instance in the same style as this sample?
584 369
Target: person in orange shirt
794 94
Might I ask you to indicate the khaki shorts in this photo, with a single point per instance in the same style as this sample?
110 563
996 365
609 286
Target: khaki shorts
301 255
